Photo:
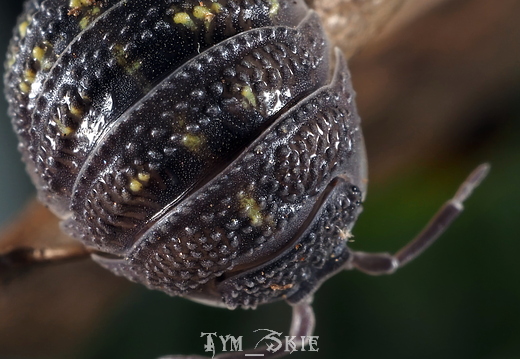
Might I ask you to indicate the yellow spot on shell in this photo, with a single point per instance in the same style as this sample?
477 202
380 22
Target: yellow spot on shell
252 210
47 64
29 75
134 67
22 28
67 131
38 53
83 23
85 7
203 13
192 142
275 7
120 55
184 19
42 54
80 3
76 111
200 12
249 96
216 7
131 67
10 60
135 185
24 87
143 177
64 130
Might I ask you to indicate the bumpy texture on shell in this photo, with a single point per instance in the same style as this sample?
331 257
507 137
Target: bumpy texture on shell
199 146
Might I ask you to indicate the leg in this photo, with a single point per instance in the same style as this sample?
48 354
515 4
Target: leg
302 324
384 263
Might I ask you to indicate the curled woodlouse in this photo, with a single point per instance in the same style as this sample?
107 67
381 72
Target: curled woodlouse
203 148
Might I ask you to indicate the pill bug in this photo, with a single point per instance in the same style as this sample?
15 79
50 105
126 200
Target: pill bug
208 149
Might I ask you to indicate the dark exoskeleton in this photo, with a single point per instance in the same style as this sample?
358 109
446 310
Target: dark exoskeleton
207 149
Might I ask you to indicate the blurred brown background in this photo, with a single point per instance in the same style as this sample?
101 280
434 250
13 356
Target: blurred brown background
439 93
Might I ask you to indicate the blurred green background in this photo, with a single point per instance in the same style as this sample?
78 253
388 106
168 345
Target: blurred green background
461 299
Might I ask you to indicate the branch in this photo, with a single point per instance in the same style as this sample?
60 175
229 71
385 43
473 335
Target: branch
350 24
35 238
